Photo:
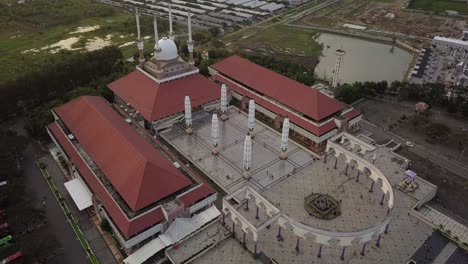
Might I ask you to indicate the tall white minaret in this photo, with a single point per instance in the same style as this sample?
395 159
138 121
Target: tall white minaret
188 114
141 57
251 118
339 58
247 156
215 133
284 138
156 36
171 32
223 102
190 41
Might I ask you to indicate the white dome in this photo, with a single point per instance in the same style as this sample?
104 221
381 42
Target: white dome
168 49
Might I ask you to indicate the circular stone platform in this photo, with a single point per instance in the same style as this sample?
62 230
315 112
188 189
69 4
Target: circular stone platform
322 206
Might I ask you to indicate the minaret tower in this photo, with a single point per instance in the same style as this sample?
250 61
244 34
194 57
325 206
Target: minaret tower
339 58
284 139
215 134
223 102
188 115
141 58
156 36
171 32
190 42
251 117
247 156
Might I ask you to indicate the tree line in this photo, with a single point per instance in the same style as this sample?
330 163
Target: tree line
297 71
453 98
43 88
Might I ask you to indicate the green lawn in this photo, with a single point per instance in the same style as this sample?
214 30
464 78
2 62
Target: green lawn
439 6
283 39
26 27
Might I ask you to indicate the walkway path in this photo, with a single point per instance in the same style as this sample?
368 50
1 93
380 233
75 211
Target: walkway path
87 226
438 218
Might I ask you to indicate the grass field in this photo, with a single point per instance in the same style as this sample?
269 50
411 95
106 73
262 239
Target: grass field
26 31
439 6
285 40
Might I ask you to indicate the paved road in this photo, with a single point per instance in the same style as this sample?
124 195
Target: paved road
421 151
37 188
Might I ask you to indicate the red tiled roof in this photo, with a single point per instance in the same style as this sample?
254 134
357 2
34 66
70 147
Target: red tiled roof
127 227
352 114
139 173
309 126
195 195
155 101
298 96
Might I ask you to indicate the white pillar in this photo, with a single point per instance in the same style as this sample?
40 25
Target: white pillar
171 32
188 114
284 138
223 102
247 155
156 36
251 118
215 133
141 57
190 41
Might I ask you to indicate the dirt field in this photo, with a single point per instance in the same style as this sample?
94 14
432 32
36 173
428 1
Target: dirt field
450 187
387 16
448 147
384 114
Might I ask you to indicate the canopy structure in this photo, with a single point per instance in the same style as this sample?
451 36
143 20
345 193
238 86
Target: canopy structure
410 174
146 252
178 230
80 194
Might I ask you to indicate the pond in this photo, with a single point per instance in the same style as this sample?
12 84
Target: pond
364 60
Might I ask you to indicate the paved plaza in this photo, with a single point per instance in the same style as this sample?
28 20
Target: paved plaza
229 251
226 168
360 209
405 235
286 184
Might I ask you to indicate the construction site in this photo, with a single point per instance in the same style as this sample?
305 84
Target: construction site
387 18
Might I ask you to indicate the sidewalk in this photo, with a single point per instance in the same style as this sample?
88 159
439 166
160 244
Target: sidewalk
439 219
90 227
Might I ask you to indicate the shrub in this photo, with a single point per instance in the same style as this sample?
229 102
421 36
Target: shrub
105 225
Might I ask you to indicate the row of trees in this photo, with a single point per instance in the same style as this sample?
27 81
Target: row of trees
296 71
455 98
74 74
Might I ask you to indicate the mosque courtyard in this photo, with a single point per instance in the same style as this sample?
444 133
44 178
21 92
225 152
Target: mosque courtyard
226 168
287 183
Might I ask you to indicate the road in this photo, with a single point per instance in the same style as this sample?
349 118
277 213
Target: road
421 151
37 188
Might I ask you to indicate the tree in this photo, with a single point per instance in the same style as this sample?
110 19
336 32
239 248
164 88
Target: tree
452 107
437 131
214 31
464 109
218 44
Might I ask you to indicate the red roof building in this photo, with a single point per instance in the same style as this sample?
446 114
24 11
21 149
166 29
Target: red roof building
155 100
124 171
314 115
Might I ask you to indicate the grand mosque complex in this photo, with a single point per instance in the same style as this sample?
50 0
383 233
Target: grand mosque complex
243 166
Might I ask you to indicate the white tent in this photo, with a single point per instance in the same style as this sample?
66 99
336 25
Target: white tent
80 193
178 230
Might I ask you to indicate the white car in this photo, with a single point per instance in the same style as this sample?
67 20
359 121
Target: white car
409 144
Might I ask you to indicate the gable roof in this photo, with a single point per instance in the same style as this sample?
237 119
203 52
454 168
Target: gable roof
293 94
158 100
140 174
